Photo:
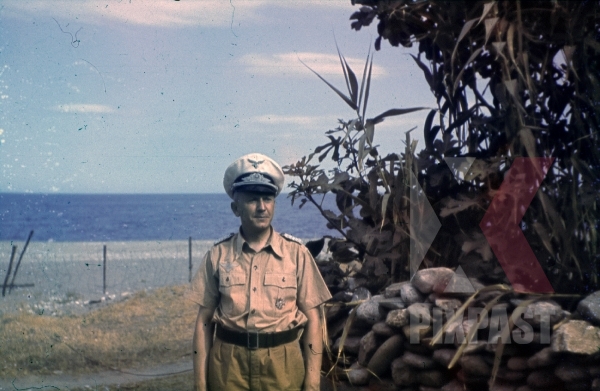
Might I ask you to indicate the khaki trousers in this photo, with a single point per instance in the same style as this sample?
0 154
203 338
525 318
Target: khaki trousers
232 367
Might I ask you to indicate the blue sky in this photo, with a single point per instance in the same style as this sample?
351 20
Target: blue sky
161 96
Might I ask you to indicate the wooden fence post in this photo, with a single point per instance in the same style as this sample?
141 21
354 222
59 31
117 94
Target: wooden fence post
104 271
12 281
12 258
190 257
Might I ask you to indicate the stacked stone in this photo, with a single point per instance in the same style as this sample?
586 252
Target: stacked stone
389 341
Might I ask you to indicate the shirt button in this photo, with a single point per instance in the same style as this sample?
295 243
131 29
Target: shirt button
255 267
254 289
253 311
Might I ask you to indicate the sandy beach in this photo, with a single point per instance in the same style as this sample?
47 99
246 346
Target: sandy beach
68 276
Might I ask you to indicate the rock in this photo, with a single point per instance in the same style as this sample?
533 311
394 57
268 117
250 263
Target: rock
594 371
576 336
368 346
351 345
475 366
543 312
447 305
361 293
432 378
410 294
503 387
454 385
397 318
422 349
459 283
510 375
517 363
543 358
570 372
416 333
476 347
383 330
358 376
542 378
393 303
589 308
425 279
444 356
583 385
418 361
393 290
369 311
402 374
472 382
420 314
385 354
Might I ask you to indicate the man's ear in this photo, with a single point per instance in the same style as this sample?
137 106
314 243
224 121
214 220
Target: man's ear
234 208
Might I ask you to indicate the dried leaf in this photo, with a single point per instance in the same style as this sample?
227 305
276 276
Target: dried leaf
370 132
511 87
454 206
469 61
466 28
480 245
527 139
510 40
489 28
367 88
384 202
486 9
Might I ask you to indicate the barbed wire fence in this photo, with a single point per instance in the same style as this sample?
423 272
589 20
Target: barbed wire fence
54 274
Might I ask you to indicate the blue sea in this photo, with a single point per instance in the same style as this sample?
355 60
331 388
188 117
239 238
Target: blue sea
140 217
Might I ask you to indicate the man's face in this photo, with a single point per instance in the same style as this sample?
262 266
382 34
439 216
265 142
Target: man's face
255 210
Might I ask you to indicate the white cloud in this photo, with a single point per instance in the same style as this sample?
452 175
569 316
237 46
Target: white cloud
290 64
295 120
166 13
83 108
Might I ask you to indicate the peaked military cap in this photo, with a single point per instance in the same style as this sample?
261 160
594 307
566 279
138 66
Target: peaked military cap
253 172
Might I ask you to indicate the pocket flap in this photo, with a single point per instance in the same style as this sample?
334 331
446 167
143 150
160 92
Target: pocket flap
280 280
229 279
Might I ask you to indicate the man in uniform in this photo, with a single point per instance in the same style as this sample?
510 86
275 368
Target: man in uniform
261 290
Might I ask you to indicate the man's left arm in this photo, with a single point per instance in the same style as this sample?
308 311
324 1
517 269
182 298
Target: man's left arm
313 350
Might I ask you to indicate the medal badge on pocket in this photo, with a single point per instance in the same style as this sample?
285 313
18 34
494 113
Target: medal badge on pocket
279 303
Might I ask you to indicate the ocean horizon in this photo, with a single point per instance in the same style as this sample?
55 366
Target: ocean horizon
108 217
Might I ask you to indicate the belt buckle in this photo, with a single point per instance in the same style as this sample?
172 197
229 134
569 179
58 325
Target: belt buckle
249 345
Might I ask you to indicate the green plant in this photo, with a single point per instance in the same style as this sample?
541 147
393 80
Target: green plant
512 79
371 191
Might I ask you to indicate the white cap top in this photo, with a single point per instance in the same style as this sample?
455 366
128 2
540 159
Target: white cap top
253 172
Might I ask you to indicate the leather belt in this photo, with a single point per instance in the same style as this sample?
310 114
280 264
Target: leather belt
255 340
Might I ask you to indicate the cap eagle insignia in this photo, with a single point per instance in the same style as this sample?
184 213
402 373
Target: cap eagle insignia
255 163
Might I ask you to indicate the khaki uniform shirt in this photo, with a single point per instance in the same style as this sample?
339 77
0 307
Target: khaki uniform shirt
264 291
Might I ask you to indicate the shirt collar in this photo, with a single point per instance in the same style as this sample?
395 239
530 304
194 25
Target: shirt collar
275 243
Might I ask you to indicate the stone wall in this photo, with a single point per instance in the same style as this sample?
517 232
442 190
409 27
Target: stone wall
553 345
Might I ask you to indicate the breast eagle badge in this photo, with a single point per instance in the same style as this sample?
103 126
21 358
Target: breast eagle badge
255 163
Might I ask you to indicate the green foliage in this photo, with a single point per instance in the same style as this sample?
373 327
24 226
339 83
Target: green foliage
371 191
511 79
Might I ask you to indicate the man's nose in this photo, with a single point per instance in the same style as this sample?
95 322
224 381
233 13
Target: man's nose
261 204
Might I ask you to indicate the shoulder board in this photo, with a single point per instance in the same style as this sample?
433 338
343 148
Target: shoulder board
224 239
292 238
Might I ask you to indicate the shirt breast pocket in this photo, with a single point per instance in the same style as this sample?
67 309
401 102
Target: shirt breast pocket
280 292
233 292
